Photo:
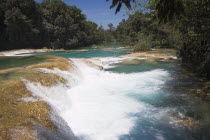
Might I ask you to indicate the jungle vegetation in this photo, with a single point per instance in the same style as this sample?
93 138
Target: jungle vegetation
180 24
51 24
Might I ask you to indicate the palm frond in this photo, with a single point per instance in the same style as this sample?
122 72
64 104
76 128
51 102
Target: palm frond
119 3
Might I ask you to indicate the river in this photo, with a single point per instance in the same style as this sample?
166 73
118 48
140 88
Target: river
130 99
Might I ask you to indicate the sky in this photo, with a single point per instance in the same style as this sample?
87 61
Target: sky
98 11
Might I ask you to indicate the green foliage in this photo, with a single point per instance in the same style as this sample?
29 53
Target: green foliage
67 26
51 23
144 43
169 9
186 28
119 3
161 36
19 22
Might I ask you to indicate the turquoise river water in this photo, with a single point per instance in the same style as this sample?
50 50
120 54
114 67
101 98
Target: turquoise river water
127 100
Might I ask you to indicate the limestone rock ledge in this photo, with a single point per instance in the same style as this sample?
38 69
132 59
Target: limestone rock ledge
29 120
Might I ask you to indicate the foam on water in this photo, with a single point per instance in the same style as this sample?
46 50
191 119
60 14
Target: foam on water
108 62
20 52
95 103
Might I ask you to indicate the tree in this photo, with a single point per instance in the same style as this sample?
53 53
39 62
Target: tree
111 27
19 24
189 21
118 4
51 23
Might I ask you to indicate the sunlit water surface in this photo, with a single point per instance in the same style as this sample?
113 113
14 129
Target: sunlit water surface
89 52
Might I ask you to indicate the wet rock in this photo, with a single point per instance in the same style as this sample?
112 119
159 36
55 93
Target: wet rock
17 116
189 123
55 62
22 133
184 121
156 55
92 64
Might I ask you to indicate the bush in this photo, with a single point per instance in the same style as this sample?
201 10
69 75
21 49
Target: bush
144 44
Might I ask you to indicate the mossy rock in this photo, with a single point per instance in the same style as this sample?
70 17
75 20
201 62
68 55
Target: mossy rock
7 62
16 112
16 115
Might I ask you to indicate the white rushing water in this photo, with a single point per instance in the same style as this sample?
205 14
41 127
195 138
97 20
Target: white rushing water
96 103
108 62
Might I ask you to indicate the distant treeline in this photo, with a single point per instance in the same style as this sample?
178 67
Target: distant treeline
180 24
143 32
51 23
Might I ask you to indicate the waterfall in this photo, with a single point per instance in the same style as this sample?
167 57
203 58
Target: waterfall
99 104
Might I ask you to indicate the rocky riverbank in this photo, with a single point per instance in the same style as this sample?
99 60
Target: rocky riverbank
21 114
